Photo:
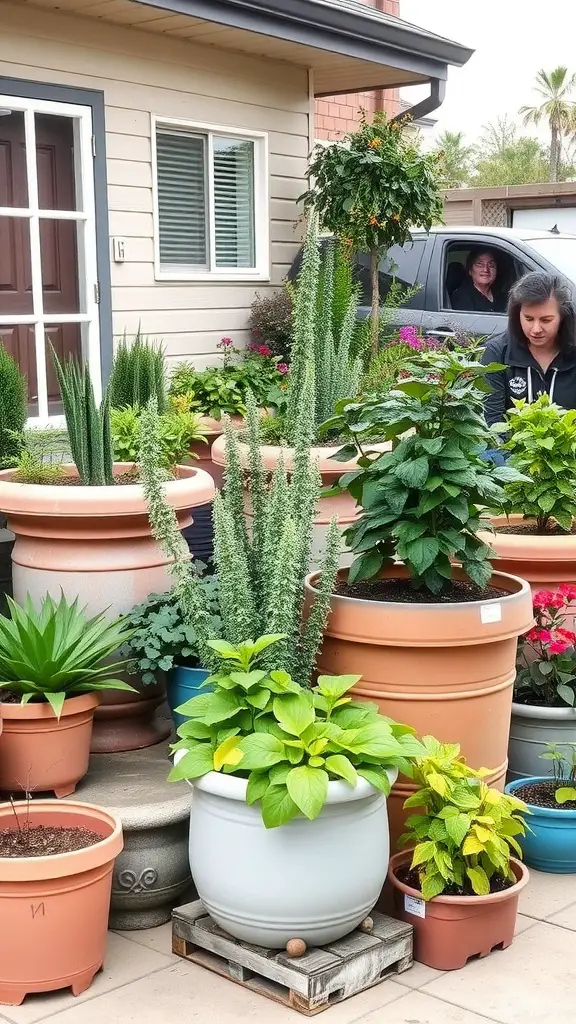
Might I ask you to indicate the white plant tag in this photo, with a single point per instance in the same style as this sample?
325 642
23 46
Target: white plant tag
414 906
491 613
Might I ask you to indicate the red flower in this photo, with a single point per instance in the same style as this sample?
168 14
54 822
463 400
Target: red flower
548 599
539 636
568 634
283 368
559 647
568 590
225 343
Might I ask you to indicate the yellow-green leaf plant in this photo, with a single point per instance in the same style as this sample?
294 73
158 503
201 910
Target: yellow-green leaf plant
288 742
464 832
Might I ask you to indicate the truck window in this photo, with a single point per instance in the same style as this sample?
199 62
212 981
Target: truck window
465 259
400 262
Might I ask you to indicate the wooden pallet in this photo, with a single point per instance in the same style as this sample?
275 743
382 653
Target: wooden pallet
310 984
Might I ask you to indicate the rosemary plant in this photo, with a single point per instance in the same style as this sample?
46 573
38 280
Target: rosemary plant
88 426
138 374
260 571
13 398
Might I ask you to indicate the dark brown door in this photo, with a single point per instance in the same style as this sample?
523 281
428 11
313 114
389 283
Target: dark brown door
56 191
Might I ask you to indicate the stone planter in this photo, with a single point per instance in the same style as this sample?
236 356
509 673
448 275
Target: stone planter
153 872
531 729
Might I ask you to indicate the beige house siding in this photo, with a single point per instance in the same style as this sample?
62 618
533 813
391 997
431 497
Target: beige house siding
143 75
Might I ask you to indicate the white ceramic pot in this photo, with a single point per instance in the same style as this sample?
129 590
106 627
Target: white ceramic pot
312 880
530 730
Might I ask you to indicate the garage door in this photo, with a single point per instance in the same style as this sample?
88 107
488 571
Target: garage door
564 219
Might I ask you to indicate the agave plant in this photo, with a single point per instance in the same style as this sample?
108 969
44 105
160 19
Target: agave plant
58 651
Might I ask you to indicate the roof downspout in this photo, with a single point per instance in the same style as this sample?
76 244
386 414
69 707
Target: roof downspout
428 105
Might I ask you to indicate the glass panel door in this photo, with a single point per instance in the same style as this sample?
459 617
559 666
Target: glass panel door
48 276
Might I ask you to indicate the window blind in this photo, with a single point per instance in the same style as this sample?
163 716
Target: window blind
181 173
234 202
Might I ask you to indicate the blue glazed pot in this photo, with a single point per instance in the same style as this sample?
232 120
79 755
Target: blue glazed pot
183 684
551 845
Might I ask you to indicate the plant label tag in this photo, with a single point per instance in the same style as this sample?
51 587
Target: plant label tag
491 613
414 906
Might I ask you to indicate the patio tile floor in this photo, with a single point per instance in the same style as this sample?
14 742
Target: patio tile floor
532 982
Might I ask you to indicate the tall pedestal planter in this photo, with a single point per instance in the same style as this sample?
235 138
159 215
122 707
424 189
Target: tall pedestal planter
445 669
93 542
40 753
54 910
545 562
448 930
531 729
343 506
550 841
268 886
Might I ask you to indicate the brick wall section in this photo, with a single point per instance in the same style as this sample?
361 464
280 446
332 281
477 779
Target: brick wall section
337 115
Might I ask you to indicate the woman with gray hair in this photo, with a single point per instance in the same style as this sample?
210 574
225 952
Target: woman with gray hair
538 350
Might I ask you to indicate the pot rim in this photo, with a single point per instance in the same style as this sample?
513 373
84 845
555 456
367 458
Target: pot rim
85 501
271 453
527 546
42 710
540 711
61 865
521 590
177 667
520 870
232 787
541 812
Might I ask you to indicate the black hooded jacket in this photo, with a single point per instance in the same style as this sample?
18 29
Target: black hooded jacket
524 378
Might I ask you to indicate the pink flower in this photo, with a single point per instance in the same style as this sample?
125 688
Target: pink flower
547 599
283 368
568 590
539 636
568 634
408 334
559 647
225 343
262 350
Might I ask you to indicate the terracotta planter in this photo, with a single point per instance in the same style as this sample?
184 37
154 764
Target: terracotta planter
40 753
93 542
448 930
201 452
343 506
445 669
130 721
545 562
55 906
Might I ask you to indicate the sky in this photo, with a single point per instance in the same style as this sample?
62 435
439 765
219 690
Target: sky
513 39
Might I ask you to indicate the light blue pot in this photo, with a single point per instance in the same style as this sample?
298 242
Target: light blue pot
551 845
183 684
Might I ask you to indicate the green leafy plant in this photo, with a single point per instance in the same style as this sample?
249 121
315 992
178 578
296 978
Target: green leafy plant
372 190
58 651
463 832
13 409
287 741
421 501
563 760
32 470
177 431
138 374
161 637
88 426
542 443
222 389
546 662
260 572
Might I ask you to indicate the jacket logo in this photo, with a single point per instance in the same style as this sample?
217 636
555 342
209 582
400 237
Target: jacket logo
517 385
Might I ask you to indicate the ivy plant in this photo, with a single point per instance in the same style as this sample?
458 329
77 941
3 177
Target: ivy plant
288 742
464 832
542 443
421 501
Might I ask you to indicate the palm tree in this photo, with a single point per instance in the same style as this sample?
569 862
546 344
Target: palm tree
557 109
454 159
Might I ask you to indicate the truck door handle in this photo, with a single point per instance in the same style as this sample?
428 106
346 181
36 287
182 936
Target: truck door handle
440 334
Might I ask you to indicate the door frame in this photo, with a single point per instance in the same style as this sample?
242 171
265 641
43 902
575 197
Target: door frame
94 99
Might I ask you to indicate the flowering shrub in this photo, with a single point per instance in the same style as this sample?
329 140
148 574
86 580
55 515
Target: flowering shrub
546 667
223 389
389 366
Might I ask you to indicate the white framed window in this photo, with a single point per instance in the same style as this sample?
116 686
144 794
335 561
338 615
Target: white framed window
211 209
48 267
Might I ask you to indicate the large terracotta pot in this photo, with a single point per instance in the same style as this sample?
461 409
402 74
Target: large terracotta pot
445 669
343 506
545 562
41 753
93 542
201 451
448 930
130 721
54 910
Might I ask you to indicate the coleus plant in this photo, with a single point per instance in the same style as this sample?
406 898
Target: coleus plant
463 832
288 742
421 501
546 663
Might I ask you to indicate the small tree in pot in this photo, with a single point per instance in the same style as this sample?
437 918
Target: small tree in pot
420 516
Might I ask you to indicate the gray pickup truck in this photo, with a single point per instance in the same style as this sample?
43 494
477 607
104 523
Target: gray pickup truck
436 261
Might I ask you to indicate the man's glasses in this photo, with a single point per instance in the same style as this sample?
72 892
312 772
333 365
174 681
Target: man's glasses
485 266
